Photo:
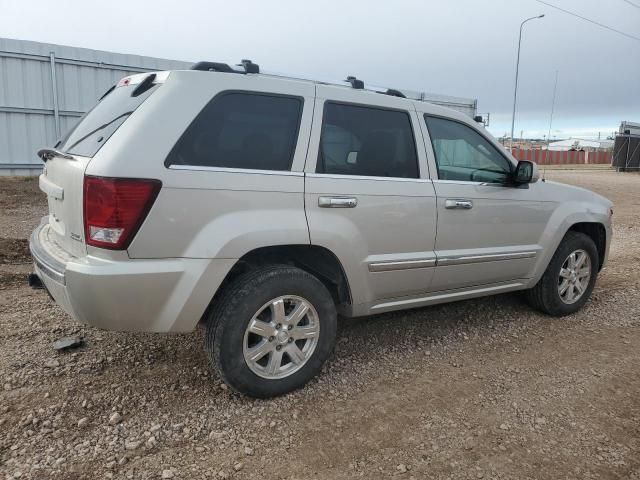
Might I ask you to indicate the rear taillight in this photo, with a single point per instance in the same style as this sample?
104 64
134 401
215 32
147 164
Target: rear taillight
114 209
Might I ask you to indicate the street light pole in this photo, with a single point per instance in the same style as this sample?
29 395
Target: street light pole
515 90
553 104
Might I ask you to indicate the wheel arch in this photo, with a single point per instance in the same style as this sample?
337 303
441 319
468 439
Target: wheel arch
597 232
316 260
571 217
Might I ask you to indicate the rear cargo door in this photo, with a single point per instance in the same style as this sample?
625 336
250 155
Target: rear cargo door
63 176
62 180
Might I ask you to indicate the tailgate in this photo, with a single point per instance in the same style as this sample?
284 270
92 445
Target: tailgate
63 176
62 180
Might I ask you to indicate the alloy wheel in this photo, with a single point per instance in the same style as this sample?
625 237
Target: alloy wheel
574 277
281 337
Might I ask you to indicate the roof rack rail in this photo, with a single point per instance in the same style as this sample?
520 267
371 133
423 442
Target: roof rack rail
248 67
359 85
355 83
213 67
395 93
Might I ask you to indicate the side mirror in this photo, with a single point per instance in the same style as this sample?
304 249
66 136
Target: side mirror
352 158
478 119
526 172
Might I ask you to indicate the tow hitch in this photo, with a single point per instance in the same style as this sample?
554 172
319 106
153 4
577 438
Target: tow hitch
34 281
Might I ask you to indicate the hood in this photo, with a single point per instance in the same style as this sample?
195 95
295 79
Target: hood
562 192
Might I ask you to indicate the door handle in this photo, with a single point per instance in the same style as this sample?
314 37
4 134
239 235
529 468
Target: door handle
460 203
337 202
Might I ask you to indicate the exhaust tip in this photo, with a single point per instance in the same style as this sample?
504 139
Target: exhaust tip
34 281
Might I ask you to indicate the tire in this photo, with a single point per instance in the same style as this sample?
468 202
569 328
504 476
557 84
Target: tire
545 295
276 293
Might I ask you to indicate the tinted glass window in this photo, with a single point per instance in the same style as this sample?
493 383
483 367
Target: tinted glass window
95 128
464 154
367 141
241 130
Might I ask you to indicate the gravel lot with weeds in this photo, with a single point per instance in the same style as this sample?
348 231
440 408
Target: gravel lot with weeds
477 389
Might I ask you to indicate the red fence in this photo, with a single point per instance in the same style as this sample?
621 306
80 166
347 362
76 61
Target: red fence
551 157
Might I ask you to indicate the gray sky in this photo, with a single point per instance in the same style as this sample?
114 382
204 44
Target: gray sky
457 47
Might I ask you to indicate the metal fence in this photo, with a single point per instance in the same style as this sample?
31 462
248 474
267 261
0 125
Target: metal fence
568 157
44 88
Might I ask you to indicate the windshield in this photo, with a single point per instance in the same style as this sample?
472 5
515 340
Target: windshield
97 125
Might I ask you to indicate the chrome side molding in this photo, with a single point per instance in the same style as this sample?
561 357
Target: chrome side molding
493 257
401 265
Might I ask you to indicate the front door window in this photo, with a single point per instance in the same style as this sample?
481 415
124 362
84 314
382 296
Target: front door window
463 154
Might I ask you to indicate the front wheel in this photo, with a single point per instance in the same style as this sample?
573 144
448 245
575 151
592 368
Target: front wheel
271 331
569 279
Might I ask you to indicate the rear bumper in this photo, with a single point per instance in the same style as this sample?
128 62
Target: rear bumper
166 295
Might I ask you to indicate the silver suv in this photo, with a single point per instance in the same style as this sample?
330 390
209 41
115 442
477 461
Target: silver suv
265 206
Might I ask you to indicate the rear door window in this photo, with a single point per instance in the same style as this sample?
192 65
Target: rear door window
242 130
367 141
95 128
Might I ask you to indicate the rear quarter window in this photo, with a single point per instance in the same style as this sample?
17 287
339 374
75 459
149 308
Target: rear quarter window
241 130
96 127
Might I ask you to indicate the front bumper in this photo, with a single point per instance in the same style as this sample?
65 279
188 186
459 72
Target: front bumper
607 248
158 295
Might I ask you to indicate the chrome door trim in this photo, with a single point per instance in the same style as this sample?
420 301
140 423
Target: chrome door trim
203 168
365 177
466 182
491 257
393 266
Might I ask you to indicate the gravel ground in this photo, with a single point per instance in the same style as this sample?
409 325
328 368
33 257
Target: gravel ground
484 388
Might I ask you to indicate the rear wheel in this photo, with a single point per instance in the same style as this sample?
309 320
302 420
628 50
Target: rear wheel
569 279
271 331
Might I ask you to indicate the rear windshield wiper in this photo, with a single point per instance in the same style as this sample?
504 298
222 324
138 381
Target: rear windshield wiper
48 153
101 127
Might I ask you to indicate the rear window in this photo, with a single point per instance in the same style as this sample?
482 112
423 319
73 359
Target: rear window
97 125
241 130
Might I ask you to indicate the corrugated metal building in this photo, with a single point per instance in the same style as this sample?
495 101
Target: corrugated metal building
45 88
468 106
580 144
